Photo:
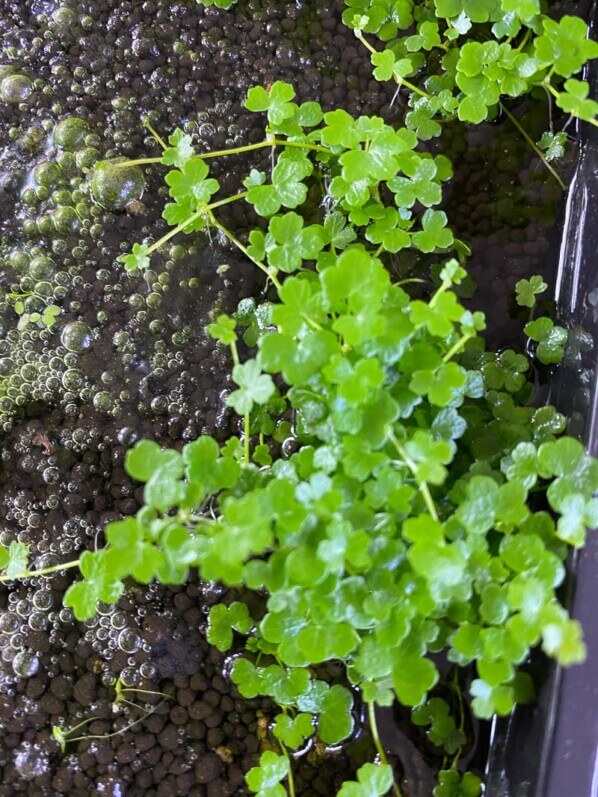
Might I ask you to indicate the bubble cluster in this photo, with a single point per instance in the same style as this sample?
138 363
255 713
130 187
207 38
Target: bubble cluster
26 376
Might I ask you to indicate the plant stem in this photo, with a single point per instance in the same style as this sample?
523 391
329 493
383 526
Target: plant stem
423 486
235 353
441 289
176 230
202 211
233 239
76 727
290 778
533 145
114 733
378 744
268 142
456 348
136 162
156 137
43 572
457 689
524 41
228 200
144 692
246 438
400 81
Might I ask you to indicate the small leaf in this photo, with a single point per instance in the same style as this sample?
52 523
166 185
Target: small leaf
336 722
223 620
255 387
180 151
270 772
527 290
138 260
223 330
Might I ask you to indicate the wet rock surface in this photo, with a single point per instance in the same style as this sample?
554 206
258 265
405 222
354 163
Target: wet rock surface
127 357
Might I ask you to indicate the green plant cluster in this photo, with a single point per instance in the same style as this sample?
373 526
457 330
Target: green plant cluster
463 57
429 506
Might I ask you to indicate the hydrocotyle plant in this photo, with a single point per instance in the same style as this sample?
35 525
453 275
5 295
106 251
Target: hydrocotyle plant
428 507
417 532
467 59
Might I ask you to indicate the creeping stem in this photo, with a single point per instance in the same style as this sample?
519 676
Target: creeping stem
69 739
400 81
155 136
233 239
423 486
202 211
533 145
378 744
270 141
45 571
246 435
456 347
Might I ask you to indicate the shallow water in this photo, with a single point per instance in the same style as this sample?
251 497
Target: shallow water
129 359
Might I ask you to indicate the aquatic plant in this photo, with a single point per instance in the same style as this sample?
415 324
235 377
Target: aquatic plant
421 508
410 521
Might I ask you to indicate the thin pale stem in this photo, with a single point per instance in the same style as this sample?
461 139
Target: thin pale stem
457 689
228 200
268 142
176 230
136 162
114 733
233 239
443 287
155 136
246 438
43 572
423 486
202 211
400 81
146 692
456 348
76 727
378 744
290 778
524 41
533 145
124 702
235 353
410 280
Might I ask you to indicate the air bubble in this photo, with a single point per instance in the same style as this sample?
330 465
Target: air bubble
30 761
76 336
8 623
15 88
42 600
129 640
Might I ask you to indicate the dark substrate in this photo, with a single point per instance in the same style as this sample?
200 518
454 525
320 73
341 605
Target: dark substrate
145 369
